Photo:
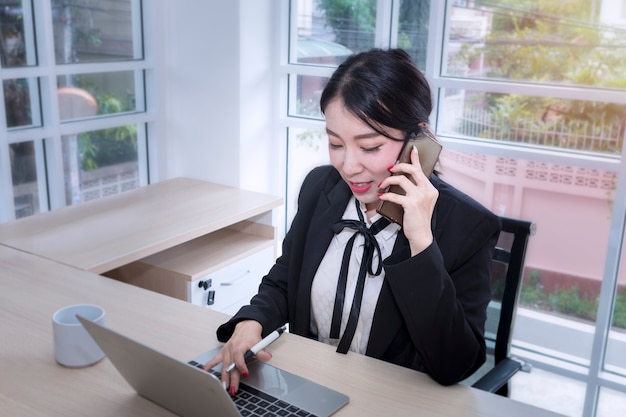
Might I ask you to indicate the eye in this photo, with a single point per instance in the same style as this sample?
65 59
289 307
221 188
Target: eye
334 145
372 149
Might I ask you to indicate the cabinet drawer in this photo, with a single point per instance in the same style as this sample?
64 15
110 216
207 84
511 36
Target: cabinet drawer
232 286
227 265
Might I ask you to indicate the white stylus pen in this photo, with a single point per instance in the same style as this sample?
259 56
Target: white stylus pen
265 342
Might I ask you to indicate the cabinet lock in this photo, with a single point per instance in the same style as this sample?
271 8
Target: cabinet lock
205 284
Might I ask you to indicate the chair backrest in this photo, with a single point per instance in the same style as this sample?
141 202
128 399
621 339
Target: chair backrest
507 275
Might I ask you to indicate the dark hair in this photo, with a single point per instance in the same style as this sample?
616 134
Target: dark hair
382 88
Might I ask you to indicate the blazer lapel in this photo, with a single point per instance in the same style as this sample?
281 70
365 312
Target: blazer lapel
387 320
329 209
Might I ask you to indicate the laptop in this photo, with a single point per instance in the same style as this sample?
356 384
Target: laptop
189 391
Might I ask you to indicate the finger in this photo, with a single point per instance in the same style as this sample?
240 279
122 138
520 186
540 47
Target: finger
392 197
415 159
416 163
213 362
234 377
233 383
263 356
411 171
226 381
405 179
241 368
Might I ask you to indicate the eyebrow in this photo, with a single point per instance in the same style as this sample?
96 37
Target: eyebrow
357 137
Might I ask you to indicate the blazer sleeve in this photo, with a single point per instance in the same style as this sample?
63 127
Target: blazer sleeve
442 293
271 305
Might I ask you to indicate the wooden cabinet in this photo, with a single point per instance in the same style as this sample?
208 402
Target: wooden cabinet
166 237
221 270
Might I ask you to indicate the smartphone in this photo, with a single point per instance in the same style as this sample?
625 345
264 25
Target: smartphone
428 149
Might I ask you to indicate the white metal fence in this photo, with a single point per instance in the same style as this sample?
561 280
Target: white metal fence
583 135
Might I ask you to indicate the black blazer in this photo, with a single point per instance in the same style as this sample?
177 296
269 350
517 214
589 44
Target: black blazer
431 311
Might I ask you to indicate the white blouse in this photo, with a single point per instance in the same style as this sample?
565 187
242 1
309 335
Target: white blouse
325 282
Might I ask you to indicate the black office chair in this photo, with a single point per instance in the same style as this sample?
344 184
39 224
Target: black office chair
507 274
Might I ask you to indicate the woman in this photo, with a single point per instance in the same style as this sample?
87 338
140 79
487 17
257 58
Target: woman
423 306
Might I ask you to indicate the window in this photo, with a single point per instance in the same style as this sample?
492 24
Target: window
322 34
531 100
73 78
530 107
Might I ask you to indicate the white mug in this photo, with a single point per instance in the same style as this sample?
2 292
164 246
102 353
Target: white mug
73 346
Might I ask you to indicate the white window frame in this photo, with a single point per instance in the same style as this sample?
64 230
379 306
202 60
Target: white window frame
593 376
50 176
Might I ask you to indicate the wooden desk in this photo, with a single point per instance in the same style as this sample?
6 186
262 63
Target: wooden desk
104 234
32 384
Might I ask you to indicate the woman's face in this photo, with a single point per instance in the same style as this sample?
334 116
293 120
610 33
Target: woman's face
360 154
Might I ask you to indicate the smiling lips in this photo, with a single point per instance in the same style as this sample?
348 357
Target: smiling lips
360 187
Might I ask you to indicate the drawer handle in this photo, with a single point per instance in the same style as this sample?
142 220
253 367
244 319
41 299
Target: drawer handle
235 280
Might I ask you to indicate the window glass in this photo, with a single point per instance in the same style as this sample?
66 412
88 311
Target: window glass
99 163
564 263
611 403
306 101
574 125
413 29
88 95
317 51
549 391
17 46
615 360
95 30
307 149
21 102
328 30
551 41
24 176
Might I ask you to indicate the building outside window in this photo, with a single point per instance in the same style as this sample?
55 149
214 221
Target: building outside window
73 82
531 109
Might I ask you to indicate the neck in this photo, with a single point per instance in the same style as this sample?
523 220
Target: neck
370 210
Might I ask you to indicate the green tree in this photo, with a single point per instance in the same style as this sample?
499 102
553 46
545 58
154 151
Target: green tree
352 21
102 147
413 29
110 146
354 24
552 42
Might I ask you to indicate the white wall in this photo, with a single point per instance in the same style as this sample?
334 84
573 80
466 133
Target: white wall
202 89
260 157
218 80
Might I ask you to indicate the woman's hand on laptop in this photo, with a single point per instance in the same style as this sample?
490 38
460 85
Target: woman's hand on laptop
247 333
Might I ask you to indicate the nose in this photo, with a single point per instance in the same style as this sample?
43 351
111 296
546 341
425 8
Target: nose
351 163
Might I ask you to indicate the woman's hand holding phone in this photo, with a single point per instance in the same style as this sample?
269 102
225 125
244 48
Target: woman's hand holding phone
417 203
428 149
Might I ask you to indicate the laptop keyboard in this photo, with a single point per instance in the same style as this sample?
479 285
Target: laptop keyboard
253 403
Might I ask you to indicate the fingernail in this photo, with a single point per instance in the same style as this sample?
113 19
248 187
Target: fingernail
244 374
233 391
224 385
391 167
379 194
379 184
414 148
